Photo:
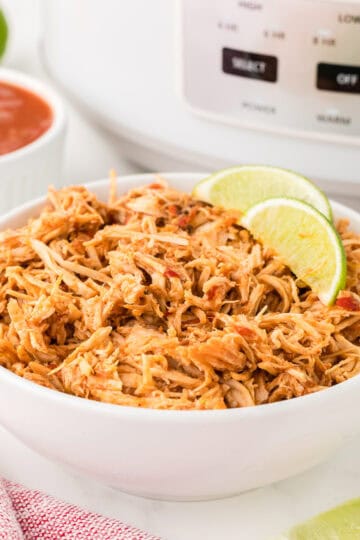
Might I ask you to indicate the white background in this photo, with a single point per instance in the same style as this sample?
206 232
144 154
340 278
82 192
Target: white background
89 152
256 515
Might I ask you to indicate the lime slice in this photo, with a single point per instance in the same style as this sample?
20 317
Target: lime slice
3 33
305 240
340 523
242 187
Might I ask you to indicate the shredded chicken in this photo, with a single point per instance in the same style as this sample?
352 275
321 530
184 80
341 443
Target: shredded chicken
158 300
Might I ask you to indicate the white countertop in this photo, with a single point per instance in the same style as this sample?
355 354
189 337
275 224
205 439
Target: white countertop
256 515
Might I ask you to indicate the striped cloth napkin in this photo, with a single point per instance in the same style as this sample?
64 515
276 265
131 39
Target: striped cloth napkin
26 514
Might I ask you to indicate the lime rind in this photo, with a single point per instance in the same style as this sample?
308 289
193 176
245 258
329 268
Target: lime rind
339 523
212 189
338 280
3 33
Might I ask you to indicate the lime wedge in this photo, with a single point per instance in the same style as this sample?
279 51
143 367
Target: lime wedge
3 33
305 240
242 187
340 523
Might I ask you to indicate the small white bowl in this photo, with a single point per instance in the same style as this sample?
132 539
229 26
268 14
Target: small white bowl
179 455
25 173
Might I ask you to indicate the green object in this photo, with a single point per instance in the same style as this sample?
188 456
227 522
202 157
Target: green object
242 187
304 239
340 523
3 33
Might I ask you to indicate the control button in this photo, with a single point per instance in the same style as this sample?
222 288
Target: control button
251 65
338 78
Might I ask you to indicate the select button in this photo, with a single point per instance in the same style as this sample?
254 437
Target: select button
338 78
251 65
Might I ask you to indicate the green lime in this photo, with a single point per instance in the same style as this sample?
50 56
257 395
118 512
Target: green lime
242 187
340 523
3 33
306 241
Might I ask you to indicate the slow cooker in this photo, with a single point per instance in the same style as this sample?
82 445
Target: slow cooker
199 84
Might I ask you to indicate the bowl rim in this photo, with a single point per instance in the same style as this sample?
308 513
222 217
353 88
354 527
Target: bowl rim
139 413
38 87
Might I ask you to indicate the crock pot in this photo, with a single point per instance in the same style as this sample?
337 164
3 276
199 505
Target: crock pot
198 84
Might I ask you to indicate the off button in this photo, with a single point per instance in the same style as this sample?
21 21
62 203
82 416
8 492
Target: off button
338 78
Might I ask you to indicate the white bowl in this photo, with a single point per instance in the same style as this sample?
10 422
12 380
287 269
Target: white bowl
180 455
26 172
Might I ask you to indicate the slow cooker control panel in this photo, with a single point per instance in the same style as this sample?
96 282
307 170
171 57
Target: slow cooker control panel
291 67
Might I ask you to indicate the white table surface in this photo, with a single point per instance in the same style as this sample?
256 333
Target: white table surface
256 515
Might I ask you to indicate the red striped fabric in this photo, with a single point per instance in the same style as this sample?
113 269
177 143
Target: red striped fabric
27 514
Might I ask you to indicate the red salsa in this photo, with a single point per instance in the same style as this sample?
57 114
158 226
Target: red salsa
24 117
